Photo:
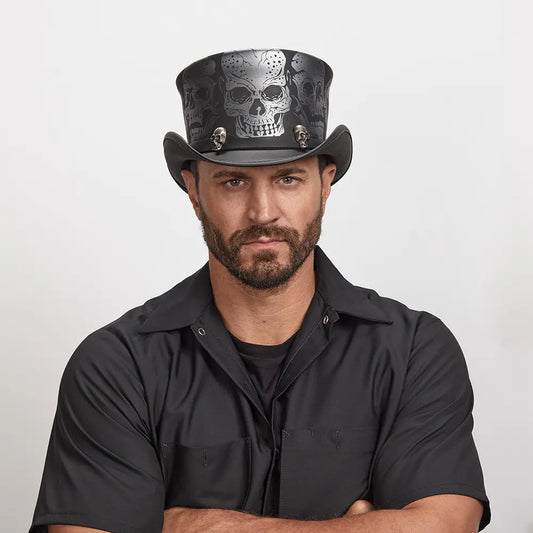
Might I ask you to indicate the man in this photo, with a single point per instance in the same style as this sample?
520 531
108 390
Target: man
265 392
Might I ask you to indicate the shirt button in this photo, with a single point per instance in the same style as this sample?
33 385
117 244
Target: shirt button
201 331
325 320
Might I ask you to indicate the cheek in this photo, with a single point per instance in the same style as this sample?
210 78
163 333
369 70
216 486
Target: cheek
225 216
300 213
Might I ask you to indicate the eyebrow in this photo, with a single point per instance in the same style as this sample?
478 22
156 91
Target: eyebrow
240 175
229 174
290 170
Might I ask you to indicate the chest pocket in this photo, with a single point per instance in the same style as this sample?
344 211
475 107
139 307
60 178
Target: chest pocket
324 471
207 477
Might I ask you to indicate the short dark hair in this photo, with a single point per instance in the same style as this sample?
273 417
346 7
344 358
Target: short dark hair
193 167
323 162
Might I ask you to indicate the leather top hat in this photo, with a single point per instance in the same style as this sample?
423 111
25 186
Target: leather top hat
256 108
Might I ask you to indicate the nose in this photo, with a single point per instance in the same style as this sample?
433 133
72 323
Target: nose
257 108
262 205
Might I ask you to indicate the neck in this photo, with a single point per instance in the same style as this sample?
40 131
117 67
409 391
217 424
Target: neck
262 316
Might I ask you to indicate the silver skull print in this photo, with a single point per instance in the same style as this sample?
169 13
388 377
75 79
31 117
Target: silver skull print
312 94
256 91
198 99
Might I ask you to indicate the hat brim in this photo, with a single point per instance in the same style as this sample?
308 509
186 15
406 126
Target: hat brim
338 146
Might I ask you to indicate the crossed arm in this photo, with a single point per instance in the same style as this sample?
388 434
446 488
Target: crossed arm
445 513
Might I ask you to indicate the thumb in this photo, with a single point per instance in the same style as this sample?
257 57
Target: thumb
359 507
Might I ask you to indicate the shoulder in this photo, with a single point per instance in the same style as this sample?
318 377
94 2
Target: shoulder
399 315
398 311
429 341
410 334
117 348
135 349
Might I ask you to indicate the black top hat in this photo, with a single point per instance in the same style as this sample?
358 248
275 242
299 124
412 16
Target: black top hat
256 108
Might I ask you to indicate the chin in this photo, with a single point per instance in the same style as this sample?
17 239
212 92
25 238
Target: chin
252 258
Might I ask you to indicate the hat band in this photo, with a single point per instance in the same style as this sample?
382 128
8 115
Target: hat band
268 143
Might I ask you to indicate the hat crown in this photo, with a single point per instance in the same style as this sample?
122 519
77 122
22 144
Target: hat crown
257 96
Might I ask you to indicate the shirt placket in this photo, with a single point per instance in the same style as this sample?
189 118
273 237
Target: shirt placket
309 343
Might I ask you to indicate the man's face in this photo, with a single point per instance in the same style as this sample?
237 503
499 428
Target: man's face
261 223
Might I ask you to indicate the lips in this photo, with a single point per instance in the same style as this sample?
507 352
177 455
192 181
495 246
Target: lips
263 240
260 234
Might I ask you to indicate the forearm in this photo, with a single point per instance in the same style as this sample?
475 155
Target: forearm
386 521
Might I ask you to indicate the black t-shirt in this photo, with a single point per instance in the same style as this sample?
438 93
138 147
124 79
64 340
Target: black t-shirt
264 363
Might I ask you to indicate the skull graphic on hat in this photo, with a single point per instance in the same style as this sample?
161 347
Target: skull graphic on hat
256 91
311 93
199 99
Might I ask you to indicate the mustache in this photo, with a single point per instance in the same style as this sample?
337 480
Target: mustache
255 232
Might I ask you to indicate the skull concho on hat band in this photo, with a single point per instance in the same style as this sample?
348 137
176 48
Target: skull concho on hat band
254 107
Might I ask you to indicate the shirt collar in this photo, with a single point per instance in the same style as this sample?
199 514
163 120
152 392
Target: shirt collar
183 304
344 297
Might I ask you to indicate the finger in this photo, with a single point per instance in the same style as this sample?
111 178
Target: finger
176 509
172 512
360 507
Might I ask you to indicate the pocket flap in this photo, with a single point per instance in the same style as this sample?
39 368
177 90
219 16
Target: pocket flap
214 476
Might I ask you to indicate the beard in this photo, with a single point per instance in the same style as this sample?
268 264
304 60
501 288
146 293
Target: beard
265 270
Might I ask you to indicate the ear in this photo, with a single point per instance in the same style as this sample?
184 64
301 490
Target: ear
327 177
192 191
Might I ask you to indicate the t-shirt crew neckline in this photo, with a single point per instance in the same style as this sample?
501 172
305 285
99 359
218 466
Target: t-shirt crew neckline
263 352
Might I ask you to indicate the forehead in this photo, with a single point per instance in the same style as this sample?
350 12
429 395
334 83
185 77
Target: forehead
307 164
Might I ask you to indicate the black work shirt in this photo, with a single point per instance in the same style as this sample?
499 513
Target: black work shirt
157 410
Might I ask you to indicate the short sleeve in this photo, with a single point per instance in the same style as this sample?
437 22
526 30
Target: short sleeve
430 449
101 468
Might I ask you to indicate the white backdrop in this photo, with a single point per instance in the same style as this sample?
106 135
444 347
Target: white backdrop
435 211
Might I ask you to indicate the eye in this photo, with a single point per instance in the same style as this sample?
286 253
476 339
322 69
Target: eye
233 183
240 94
308 88
273 92
289 180
202 93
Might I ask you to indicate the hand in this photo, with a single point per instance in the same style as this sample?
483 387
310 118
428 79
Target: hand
359 507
